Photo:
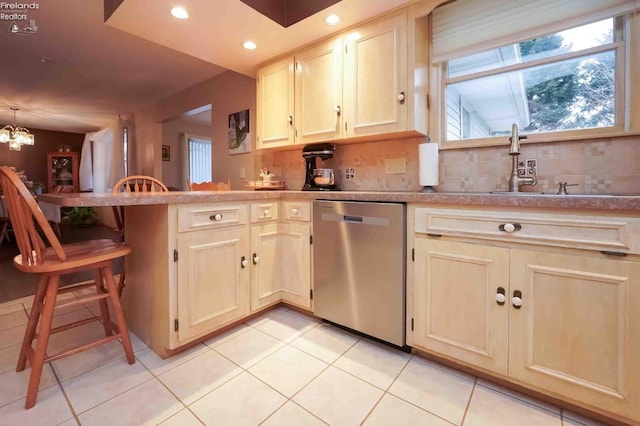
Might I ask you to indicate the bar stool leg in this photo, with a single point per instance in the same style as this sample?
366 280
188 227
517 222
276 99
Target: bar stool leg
32 324
117 310
104 307
43 340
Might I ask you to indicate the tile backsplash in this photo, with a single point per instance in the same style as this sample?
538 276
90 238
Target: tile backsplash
597 166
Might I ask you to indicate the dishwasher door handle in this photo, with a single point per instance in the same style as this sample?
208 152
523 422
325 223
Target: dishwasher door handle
347 218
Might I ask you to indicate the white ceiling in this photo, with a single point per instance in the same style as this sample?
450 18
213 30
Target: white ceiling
96 71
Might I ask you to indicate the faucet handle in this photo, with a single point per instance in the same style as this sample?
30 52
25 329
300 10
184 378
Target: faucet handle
562 189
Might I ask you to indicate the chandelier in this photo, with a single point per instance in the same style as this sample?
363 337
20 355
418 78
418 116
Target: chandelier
15 135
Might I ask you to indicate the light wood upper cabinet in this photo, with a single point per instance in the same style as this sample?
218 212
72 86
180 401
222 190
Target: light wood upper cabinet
454 312
275 103
318 89
375 78
357 85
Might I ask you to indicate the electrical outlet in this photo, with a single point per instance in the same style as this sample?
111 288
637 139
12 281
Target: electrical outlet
242 173
531 167
350 173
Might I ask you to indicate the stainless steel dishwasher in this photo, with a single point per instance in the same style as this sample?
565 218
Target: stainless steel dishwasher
359 266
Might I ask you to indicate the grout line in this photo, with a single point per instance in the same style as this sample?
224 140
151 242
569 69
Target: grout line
64 393
466 409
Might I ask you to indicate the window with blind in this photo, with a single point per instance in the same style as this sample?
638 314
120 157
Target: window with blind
548 78
200 160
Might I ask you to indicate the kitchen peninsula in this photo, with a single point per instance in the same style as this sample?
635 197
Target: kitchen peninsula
551 283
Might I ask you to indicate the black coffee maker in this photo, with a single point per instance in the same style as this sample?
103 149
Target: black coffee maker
311 153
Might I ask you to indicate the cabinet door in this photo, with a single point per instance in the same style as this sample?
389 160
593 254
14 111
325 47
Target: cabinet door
265 265
213 289
455 308
318 81
296 263
375 74
275 94
578 330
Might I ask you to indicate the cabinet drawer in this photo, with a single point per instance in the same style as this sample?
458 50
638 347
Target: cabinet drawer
553 229
265 211
297 210
193 218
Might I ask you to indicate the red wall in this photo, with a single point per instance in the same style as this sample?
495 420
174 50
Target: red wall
33 159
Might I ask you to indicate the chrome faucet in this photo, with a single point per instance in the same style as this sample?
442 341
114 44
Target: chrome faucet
514 150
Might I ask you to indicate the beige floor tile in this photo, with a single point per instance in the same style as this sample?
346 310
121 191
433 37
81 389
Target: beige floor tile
136 343
69 317
9 358
570 418
11 336
325 342
338 398
249 348
267 316
392 410
434 388
14 385
51 409
227 335
74 365
70 422
147 404
13 319
292 414
244 400
373 363
288 370
284 325
198 376
158 365
514 394
11 307
96 386
182 418
491 408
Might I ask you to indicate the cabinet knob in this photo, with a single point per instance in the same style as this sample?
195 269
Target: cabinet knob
243 262
500 296
510 227
401 97
256 259
294 212
266 213
291 119
216 217
337 110
516 300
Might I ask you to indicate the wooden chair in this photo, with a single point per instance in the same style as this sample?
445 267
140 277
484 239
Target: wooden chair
52 262
209 186
133 184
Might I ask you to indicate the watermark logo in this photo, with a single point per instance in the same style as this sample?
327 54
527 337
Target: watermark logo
18 16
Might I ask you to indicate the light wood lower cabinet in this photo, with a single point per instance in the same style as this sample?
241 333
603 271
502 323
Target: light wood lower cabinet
196 268
576 334
455 311
212 288
281 269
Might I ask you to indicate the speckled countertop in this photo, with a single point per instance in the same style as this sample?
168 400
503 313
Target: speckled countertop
578 202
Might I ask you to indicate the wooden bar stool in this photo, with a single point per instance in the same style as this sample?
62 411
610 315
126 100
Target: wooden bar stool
209 186
132 184
52 262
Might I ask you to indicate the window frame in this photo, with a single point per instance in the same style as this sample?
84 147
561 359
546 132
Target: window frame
627 67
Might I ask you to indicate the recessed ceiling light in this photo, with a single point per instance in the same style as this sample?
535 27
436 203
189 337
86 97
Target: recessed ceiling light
249 45
180 12
332 20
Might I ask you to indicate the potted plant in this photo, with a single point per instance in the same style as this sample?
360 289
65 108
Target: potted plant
81 216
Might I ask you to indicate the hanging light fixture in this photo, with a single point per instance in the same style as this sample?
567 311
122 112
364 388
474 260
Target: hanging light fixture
16 135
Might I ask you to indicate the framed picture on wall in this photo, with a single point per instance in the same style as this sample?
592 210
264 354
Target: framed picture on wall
239 132
166 153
